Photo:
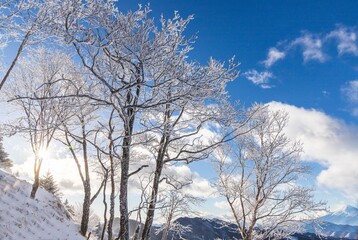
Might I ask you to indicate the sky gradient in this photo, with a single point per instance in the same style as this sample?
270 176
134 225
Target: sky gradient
296 55
314 65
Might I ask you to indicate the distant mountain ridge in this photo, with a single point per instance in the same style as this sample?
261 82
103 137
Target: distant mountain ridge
347 215
337 231
213 229
340 224
208 229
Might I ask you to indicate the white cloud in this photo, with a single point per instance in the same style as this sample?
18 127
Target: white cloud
311 45
311 48
350 92
347 40
222 205
273 56
199 187
328 141
259 78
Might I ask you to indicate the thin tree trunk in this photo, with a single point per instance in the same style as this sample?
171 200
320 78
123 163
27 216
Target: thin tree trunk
19 51
111 203
36 184
86 184
123 191
158 172
167 227
105 207
86 209
136 233
113 185
153 200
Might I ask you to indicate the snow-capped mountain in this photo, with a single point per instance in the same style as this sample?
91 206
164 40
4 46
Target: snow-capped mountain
340 224
42 218
347 215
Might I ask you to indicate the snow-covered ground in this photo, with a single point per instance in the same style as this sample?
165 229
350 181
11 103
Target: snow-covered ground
42 218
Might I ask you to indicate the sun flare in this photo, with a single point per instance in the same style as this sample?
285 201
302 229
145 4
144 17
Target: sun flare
43 153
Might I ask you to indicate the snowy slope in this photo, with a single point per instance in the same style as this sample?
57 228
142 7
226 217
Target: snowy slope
21 217
348 215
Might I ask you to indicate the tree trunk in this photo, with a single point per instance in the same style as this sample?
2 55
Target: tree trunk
19 51
111 203
35 186
127 140
153 200
105 207
167 227
86 184
136 233
123 191
86 209
158 172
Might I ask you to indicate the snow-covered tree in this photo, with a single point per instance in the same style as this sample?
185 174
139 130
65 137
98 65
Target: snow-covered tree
30 22
144 71
258 176
75 133
33 93
5 162
23 22
49 184
137 73
177 204
118 63
69 208
94 219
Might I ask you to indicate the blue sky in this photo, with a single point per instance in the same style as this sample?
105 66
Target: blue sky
301 56
298 55
248 29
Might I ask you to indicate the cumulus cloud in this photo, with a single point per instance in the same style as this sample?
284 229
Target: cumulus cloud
328 141
347 40
311 47
273 56
259 78
350 92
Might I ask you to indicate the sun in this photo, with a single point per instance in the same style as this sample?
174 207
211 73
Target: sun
43 153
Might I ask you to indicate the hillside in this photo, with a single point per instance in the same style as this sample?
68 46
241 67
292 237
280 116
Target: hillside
21 217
